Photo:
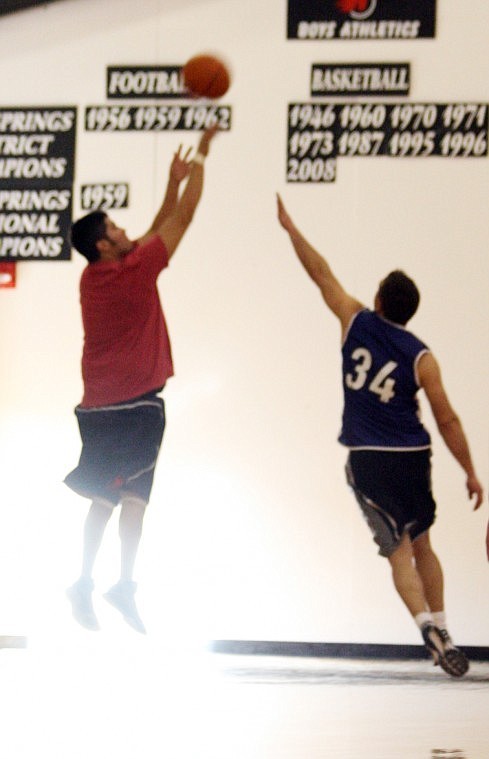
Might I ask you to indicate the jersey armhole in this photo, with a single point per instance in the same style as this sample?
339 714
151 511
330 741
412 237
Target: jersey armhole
350 325
416 364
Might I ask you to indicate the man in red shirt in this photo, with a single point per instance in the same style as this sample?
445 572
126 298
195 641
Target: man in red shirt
125 364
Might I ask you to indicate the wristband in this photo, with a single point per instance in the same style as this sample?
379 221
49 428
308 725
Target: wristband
199 158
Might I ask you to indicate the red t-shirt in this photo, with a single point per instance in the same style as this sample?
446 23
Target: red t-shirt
127 350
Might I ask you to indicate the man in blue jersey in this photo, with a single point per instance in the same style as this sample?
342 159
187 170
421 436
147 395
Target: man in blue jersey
388 465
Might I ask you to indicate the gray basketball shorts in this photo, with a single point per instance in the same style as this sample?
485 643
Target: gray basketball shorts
393 490
120 446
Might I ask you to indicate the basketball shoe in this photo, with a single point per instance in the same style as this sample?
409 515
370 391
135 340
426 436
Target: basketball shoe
444 652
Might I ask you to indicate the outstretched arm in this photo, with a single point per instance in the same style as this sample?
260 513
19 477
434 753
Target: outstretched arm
448 423
172 226
343 305
179 170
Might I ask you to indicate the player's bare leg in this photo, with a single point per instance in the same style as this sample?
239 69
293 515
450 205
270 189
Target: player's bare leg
130 531
429 568
406 579
409 585
80 594
95 524
121 595
430 571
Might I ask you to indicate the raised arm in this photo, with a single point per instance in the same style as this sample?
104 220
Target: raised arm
176 213
448 423
179 170
343 305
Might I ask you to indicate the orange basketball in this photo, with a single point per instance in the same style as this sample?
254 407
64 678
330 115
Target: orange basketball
206 76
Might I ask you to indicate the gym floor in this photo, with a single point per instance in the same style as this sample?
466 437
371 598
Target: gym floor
129 696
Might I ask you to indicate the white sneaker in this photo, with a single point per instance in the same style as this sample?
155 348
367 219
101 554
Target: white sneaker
80 597
121 597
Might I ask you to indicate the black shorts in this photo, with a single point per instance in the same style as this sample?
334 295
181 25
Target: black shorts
393 490
120 446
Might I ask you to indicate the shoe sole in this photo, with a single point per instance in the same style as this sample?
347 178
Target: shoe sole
133 622
454 662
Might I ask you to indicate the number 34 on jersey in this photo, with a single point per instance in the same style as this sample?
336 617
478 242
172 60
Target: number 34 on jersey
381 384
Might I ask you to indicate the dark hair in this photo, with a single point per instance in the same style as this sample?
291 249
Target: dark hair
86 232
399 297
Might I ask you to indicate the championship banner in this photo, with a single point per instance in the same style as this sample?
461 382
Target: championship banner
320 134
361 19
37 156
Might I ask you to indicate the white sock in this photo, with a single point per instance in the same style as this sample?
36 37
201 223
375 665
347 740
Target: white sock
423 618
439 618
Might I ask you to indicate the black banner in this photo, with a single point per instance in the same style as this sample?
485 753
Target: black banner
361 19
150 82
321 134
13 6
156 118
353 79
104 196
37 157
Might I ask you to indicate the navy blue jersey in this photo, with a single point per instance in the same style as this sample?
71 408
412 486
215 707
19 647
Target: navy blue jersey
380 384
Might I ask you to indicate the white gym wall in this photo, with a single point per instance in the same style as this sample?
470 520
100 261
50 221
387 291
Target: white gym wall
252 532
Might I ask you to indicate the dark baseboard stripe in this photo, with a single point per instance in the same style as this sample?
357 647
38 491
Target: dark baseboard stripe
334 650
